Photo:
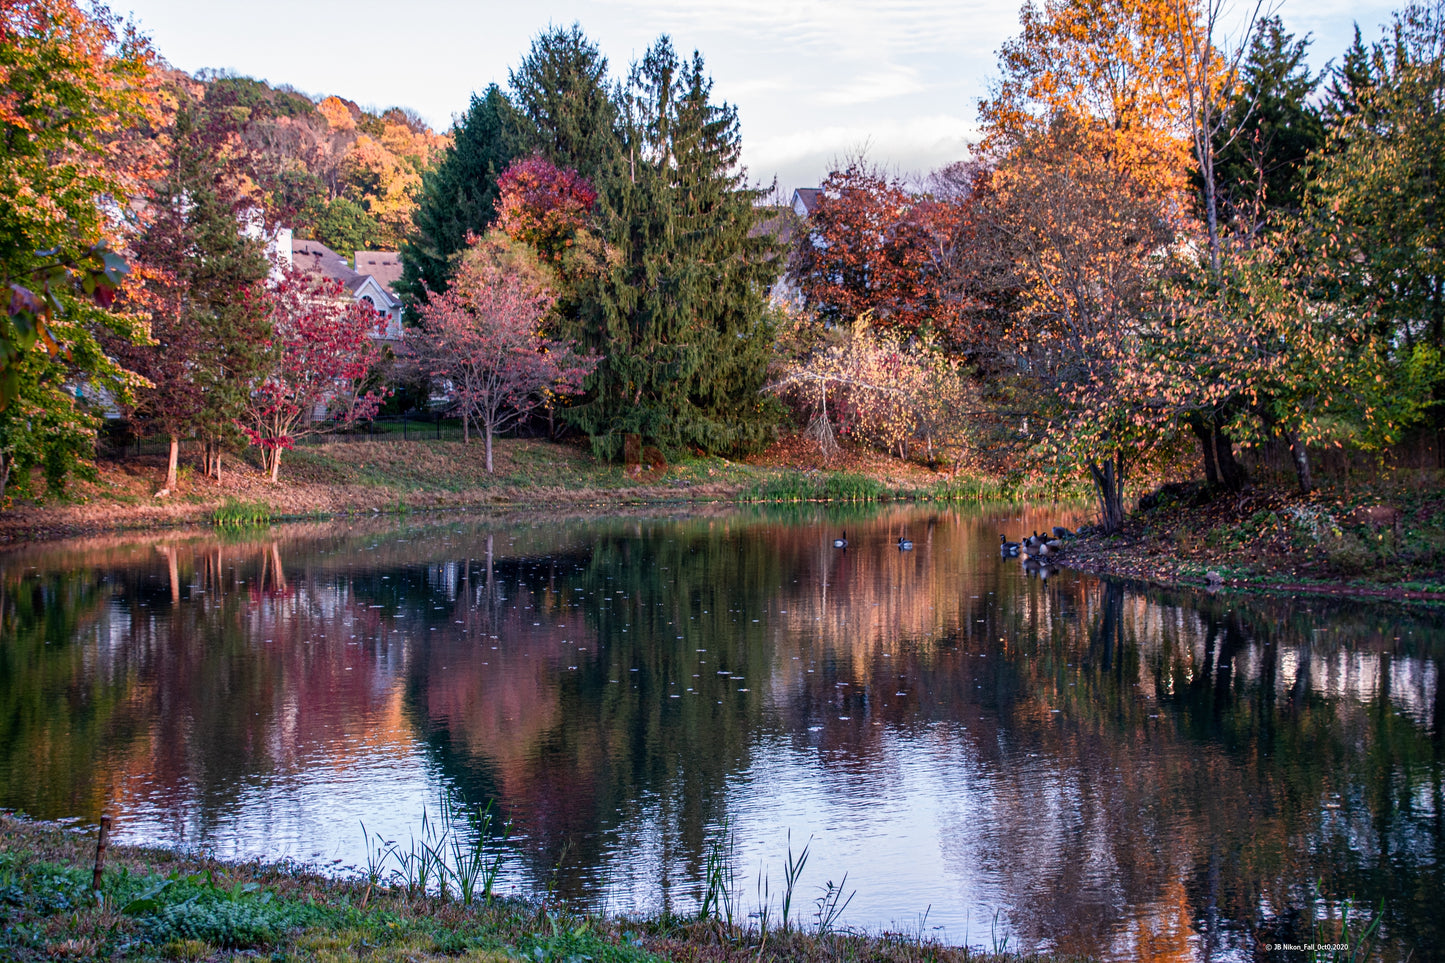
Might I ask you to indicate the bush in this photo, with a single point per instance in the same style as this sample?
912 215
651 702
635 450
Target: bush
1349 555
234 925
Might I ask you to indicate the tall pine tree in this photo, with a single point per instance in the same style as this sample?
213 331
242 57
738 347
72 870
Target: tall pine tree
459 194
680 311
561 87
1272 128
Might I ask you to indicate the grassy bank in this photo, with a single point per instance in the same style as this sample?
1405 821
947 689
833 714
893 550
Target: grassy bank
338 478
1385 538
155 904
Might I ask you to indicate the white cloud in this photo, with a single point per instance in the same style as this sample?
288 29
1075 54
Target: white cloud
907 146
812 79
874 86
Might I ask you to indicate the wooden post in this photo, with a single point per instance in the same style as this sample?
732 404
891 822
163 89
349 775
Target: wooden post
100 852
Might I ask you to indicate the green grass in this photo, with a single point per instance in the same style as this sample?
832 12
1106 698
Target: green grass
159 905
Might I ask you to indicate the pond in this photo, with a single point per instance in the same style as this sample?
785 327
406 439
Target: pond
1061 762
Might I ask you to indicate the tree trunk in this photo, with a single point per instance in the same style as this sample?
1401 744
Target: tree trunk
1109 485
1231 473
172 464
211 459
1202 431
1301 457
489 449
1211 206
466 434
6 461
273 459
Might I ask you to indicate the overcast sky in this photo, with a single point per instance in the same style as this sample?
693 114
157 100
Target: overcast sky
813 80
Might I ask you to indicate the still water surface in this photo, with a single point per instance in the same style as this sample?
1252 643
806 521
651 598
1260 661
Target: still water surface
1070 762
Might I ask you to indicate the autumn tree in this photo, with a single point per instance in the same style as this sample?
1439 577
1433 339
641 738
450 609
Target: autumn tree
1209 68
321 351
872 246
543 206
458 197
73 82
1279 361
901 394
1112 63
482 339
203 278
333 171
1079 241
679 307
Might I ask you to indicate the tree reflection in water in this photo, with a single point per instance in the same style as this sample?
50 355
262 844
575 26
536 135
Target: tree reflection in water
1118 771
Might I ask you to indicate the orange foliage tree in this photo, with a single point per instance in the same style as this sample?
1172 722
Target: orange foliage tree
73 82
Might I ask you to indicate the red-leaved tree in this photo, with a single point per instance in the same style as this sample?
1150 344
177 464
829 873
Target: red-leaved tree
483 339
323 349
543 205
873 247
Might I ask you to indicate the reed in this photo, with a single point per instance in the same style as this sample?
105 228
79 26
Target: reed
444 859
792 871
720 880
233 513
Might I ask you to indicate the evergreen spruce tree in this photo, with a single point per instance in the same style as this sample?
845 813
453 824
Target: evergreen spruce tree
1271 130
561 87
459 194
1350 84
680 310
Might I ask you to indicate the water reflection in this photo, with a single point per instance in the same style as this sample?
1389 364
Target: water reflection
1095 767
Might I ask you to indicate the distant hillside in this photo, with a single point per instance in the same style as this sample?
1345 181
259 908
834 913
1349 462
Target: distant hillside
332 171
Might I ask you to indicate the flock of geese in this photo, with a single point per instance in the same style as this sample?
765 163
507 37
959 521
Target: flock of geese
904 544
1036 545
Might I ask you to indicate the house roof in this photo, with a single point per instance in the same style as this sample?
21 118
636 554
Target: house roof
317 257
808 198
385 266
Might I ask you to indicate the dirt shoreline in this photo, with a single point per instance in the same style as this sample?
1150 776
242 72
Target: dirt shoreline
1278 542
1130 568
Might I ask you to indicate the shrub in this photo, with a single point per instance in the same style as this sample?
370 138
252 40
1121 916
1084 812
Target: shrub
234 925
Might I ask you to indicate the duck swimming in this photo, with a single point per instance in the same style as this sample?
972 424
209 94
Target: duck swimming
905 544
841 542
